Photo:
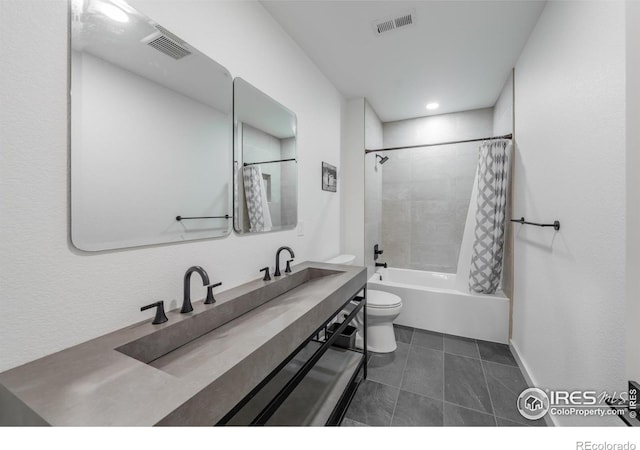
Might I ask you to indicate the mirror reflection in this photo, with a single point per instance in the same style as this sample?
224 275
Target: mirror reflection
266 171
150 132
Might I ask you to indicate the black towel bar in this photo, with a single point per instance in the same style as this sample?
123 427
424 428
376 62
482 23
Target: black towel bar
226 216
555 224
269 162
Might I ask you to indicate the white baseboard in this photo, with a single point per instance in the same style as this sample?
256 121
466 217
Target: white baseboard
528 378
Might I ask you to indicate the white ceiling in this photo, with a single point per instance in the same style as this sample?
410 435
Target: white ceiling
458 53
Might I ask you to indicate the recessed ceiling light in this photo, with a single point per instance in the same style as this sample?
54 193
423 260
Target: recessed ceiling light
433 105
112 12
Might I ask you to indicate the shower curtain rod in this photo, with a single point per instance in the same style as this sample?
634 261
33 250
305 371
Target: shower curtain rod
506 136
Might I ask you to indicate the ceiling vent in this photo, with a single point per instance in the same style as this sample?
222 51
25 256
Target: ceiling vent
394 23
168 43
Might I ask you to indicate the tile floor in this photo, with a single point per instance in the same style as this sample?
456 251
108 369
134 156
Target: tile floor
434 379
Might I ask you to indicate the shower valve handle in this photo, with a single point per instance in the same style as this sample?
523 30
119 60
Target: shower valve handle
376 252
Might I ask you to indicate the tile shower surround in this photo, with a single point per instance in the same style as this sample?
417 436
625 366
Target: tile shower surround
433 379
426 191
425 198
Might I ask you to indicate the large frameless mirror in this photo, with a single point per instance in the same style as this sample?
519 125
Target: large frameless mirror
151 132
265 167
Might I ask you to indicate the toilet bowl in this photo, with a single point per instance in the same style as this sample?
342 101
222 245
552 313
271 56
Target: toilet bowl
382 309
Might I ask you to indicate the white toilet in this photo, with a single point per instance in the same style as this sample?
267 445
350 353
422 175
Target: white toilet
382 310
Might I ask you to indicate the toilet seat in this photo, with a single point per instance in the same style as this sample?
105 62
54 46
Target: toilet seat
382 300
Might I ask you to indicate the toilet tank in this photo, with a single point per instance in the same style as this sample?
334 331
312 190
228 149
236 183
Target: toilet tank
346 260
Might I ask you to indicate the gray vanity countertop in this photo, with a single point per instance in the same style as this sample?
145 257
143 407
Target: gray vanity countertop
196 384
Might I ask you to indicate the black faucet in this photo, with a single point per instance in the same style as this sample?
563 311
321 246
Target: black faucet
376 252
160 317
277 272
210 299
381 265
186 302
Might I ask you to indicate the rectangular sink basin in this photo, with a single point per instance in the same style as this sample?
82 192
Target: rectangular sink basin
182 329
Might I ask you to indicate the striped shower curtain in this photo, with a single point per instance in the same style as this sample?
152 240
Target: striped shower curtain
256 197
487 255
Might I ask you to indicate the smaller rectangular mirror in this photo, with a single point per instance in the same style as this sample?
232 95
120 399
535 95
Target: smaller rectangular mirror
265 166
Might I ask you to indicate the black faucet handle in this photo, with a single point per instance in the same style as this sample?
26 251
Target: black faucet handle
267 277
160 317
288 268
210 299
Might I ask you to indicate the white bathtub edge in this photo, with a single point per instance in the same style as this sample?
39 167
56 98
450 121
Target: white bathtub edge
451 312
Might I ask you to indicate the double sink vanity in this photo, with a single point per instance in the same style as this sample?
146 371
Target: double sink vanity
259 355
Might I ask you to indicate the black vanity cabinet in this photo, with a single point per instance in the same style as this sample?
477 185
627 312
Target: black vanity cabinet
316 383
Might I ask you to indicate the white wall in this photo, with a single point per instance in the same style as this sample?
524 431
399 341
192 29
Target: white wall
633 191
372 188
569 293
351 178
432 129
54 296
503 109
503 124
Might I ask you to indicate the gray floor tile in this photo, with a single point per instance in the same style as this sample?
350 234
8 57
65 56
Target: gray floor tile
373 404
494 352
403 334
457 416
416 410
387 368
351 423
505 385
508 423
461 346
429 339
424 373
465 384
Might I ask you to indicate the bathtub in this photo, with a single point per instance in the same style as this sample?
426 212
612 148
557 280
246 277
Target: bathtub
430 301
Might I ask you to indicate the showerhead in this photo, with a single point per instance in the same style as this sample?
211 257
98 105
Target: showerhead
382 160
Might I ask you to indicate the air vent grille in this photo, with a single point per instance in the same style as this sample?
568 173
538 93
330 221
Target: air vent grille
170 35
404 21
385 26
393 23
166 42
169 47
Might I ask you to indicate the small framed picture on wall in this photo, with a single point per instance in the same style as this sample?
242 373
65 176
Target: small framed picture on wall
329 177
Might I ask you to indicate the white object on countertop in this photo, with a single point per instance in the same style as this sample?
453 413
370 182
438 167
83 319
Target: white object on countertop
346 260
